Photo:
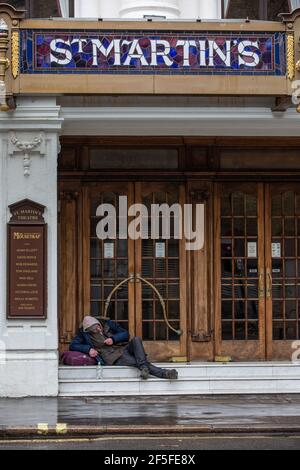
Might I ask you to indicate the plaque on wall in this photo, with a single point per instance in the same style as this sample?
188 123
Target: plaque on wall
27 261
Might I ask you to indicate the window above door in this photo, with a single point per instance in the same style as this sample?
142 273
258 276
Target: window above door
264 10
38 9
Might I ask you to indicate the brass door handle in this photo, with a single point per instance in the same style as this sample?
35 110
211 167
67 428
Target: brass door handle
115 289
261 285
163 304
269 284
139 278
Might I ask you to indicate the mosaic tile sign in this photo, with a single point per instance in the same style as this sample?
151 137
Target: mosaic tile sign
117 52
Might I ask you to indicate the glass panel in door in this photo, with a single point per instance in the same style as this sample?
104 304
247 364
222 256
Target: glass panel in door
240 271
161 262
157 268
283 268
111 261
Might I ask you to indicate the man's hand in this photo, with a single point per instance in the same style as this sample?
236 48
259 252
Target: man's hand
93 353
109 342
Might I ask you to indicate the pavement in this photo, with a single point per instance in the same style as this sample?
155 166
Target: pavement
96 417
162 446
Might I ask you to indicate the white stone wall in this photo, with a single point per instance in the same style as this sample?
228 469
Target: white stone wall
29 359
173 9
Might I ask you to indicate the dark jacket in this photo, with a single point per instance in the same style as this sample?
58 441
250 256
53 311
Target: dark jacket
83 341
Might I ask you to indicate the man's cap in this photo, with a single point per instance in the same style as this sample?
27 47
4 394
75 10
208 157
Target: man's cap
88 322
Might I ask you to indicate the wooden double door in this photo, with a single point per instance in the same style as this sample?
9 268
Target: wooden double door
257 270
237 296
138 267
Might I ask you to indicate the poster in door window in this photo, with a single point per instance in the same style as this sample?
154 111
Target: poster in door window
276 250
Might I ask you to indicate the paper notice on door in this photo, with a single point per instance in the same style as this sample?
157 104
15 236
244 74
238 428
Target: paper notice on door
160 250
276 250
109 250
252 250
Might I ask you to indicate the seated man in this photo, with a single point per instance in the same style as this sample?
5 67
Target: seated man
107 342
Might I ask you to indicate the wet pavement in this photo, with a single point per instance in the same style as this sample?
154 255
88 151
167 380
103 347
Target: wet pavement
161 445
228 411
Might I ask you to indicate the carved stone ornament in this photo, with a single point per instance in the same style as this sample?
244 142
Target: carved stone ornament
35 146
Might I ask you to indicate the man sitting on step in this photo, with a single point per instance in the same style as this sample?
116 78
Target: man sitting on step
109 343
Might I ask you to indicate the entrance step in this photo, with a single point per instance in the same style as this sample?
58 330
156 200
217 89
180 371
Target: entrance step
194 379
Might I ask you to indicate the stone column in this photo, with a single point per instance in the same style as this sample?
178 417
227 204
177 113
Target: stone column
140 8
109 9
29 348
87 8
189 9
210 9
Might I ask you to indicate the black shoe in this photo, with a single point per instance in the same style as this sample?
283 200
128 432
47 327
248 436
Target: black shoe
171 374
145 373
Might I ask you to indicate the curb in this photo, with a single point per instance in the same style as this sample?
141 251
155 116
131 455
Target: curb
64 431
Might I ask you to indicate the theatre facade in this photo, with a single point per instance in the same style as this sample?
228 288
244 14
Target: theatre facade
198 114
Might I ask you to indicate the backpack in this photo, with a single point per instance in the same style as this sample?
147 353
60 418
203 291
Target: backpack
72 358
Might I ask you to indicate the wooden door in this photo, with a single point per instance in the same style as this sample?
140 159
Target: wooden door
162 263
154 269
106 263
69 259
239 271
282 268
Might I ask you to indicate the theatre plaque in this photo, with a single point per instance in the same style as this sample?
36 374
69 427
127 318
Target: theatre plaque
27 260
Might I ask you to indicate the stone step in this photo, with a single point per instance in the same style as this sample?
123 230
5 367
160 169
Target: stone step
194 379
207 370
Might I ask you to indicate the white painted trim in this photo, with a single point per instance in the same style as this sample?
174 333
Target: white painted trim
215 121
32 118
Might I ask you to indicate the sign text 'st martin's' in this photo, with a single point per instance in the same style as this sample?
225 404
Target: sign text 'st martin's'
153 52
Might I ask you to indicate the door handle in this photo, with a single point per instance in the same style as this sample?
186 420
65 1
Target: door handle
163 304
269 284
139 278
115 289
261 285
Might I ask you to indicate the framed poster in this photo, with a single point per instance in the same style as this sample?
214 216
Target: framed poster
27 262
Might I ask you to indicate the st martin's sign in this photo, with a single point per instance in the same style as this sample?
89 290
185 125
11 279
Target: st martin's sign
152 52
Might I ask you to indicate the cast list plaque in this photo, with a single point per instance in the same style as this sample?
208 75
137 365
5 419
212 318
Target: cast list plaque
27 255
